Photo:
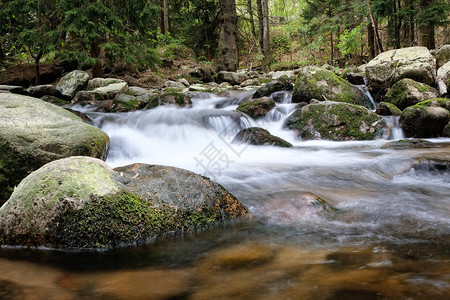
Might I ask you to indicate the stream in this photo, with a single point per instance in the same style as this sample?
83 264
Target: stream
388 239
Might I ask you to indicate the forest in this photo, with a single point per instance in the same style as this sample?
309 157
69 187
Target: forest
110 35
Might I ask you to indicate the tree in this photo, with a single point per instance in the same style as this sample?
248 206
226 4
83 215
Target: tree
227 58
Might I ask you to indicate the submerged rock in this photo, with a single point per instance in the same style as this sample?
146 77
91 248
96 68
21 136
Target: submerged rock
72 82
170 98
324 85
256 108
34 132
81 202
408 92
408 144
391 66
335 121
259 137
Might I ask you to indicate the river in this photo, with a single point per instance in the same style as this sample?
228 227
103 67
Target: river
389 237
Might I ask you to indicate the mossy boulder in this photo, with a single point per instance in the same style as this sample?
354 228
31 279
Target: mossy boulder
437 102
424 121
335 121
169 98
387 109
391 66
321 84
280 84
259 137
71 83
34 132
256 108
407 92
80 202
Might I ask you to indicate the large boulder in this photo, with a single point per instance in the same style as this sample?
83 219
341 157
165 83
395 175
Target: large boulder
422 121
321 84
280 84
72 82
95 83
232 78
442 56
34 132
389 67
407 92
259 137
39 91
181 189
256 108
81 202
444 73
335 121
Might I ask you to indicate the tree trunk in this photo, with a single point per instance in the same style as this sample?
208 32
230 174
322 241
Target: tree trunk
431 37
424 28
371 41
260 25
37 60
165 17
252 19
374 24
227 58
97 70
266 35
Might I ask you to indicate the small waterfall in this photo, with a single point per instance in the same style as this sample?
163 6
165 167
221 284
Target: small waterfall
368 99
393 131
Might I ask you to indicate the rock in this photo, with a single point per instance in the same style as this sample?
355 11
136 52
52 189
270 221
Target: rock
446 131
13 89
34 132
181 189
387 109
201 73
171 98
174 85
256 108
442 56
423 121
54 100
72 82
102 82
408 144
389 67
280 74
315 83
273 86
89 97
80 202
335 121
259 137
232 78
355 78
113 89
407 92
184 82
437 102
199 88
250 82
39 91
45 194
444 73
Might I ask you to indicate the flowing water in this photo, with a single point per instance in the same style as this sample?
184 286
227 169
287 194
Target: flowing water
388 239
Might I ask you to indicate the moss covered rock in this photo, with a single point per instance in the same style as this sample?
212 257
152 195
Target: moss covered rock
389 67
259 137
321 84
71 83
335 121
388 109
436 102
256 108
34 132
424 121
169 98
446 131
408 92
80 202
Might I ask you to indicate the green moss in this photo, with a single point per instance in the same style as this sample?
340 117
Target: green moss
401 94
264 80
441 102
123 219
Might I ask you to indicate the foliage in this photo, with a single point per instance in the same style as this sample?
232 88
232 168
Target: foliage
351 40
